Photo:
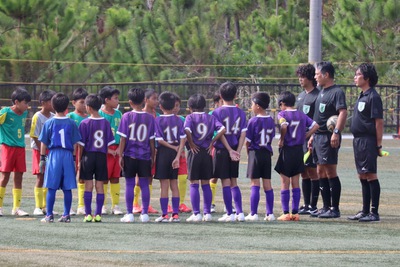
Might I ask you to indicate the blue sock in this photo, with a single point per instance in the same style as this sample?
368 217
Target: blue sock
50 199
67 201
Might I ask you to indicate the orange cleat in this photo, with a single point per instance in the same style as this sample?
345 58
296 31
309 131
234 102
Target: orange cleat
184 208
152 210
137 209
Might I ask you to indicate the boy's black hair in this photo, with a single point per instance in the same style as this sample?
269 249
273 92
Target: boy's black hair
107 92
167 100
228 91
326 67
149 92
20 94
307 71
94 101
216 96
79 93
60 102
136 95
288 98
262 99
46 95
197 102
369 72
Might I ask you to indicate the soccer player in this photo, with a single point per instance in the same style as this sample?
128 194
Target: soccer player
306 103
171 139
12 140
137 152
38 120
227 151
58 136
331 101
367 128
293 129
96 138
78 115
111 113
259 135
200 128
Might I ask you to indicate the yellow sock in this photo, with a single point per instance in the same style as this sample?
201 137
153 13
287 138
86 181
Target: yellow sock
213 190
2 194
182 182
136 192
44 197
114 191
38 191
17 195
81 191
105 188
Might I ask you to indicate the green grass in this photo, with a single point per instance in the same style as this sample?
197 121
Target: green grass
309 242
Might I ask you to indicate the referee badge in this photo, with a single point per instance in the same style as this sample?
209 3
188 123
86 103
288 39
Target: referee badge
361 106
306 109
322 107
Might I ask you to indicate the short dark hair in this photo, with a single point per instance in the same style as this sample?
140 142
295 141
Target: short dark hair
307 71
197 102
107 92
60 102
217 96
46 95
20 94
94 101
149 92
288 98
262 99
136 95
369 72
167 100
228 91
79 93
326 67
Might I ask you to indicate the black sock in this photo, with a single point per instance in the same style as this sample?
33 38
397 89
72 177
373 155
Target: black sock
366 195
314 193
336 189
306 187
325 192
375 188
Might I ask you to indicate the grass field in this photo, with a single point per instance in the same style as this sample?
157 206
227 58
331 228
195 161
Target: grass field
309 242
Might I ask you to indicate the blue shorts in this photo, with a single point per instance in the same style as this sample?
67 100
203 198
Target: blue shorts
60 170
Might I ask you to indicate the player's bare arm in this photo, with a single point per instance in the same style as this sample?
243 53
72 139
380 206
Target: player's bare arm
232 153
122 143
379 134
218 136
193 147
339 125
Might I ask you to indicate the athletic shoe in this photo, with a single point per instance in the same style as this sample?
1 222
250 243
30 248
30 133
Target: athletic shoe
104 210
65 218
330 214
227 218
116 210
72 212
97 218
304 210
1 211
38 212
213 208
312 210
152 210
358 216
285 217
184 208
316 213
269 218
128 218
19 212
295 217
239 217
371 217
47 219
144 218
174 218
169 210
194 218
163 219
233 210
136 209
251 218
81 211
88 218
207 217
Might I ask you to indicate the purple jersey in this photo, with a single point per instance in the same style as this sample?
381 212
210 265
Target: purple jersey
234 120
260 132
170 129
96 135
297 123
138 129
202 126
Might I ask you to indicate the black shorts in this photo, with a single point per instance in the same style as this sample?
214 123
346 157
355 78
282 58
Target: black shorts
290 161
309 162
94 164
200 165
164 159
139 167
322 152
365 154
259 164
224 167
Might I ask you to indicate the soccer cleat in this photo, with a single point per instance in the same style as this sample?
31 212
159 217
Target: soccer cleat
251 217
80 211
72 212
38 212
194 218
371 217
19 212
97 218
213 208
312 210
116 210
304 210
152 210
239 217
1 211
285 217
128 218
65 218
330 214
136 209
104 210
227 218
175 218
184 208
316 213
269 217
88 218
169 210
233 210
207 217
163 219
47 219
358 216
295 217
144 218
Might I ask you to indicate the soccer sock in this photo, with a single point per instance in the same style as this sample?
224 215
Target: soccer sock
105 189
237 197
325 192
87 198
213 191
130 184
314 193
227 195
195 198
254 199
175 205
375 194
38 192
164 205
44 189
144 187
99 203
207 198
137 193
81 192
17 195
295 200
269 201
285 197
366 195
182 185
306 187
2 194
67 201
336 188
114 191
50 199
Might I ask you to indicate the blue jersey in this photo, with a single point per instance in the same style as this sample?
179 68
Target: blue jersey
260 132
297 123
96 135
60 132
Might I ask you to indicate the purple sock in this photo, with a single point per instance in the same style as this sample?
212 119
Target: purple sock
285 197
269 197
164 205
207 198
175 205
295 200
144 187
237 197
254 199
195 198
99 203
227 195
130 184
87 199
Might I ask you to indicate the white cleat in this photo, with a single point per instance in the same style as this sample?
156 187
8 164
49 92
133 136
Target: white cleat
239 217
194 218
104 210
128 218
144 218
19 212
269 218
81 211
227 218
207 217
38 212
117 211
251 218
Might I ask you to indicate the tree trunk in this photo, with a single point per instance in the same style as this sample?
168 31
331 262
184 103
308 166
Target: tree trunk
227 28
237 27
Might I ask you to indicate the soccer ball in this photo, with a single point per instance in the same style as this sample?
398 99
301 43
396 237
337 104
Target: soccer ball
331 123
